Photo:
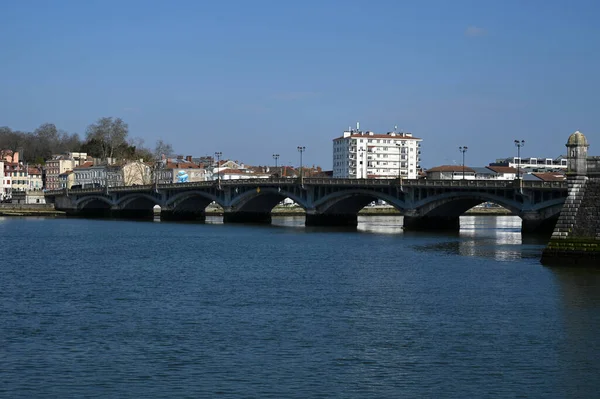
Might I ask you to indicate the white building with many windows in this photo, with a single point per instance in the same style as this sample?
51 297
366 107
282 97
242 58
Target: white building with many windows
362 155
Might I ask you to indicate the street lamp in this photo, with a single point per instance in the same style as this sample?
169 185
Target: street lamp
301 149
275 157
463 150
218 154
519 144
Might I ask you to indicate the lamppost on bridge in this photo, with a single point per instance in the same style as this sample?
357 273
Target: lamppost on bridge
276 157
463 149
519 144
218 154
301 149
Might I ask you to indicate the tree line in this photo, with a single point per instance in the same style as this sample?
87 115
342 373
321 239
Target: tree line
108 137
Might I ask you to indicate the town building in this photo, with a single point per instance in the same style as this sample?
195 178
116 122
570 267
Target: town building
34 178
178 170
89 175
361 155
455 172
538 165
67 179
4 183
60 164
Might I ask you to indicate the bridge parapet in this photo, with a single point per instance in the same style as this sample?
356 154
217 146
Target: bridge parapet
593 166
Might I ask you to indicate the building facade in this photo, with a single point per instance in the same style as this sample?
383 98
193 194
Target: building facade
534 164
362 155
67 179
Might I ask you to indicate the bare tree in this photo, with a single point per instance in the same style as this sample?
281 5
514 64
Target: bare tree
110 135
163 148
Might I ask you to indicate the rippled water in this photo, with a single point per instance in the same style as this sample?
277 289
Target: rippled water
93 308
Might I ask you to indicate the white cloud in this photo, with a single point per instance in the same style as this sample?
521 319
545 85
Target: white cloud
474 31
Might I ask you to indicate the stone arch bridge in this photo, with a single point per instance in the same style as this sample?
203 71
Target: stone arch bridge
425 204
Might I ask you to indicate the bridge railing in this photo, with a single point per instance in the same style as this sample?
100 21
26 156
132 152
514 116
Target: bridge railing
327 181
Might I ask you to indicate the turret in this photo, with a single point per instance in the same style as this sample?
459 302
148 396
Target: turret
577 147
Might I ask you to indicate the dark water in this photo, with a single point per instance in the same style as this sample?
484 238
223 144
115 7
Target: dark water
143 309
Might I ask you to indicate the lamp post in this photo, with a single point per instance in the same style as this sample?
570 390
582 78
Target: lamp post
463 149
301 149
218 154
276 157
519 144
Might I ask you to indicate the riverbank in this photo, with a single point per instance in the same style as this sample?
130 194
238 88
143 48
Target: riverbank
29 210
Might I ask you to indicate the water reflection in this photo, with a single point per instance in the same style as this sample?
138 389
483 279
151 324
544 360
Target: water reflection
579 295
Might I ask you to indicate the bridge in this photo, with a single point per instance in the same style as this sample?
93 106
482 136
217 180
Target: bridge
425 204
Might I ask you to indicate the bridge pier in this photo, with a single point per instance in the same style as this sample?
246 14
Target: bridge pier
247 217
331 219
576 237
425 223
171 215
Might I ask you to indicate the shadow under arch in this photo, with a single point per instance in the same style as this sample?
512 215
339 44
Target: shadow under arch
454 205
93 207
263 200
351 202
189 205
255 206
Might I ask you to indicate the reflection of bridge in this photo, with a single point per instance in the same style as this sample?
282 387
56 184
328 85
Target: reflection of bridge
426 204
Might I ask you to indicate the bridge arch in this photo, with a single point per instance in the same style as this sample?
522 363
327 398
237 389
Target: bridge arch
264 200
138 201
93 202
454 204
192 201
352 201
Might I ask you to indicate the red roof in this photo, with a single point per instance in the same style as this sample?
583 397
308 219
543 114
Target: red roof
182 165
502 169
85 165
550 176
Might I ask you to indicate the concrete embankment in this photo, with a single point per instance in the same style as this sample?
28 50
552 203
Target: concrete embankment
29 210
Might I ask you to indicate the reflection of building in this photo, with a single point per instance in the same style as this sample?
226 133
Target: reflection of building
361 155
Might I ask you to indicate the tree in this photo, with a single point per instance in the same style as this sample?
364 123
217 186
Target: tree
163 148
110 136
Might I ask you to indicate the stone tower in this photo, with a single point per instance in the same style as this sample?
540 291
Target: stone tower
577 147
576 237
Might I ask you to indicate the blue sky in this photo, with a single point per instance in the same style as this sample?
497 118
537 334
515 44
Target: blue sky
253 78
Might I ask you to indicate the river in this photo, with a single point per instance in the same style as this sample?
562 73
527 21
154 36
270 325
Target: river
102 308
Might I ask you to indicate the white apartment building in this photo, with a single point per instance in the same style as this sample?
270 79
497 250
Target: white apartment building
362 155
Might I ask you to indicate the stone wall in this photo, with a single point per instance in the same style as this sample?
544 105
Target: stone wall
576 237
